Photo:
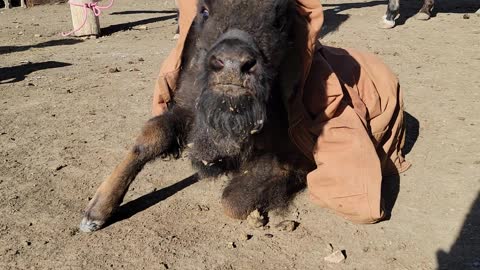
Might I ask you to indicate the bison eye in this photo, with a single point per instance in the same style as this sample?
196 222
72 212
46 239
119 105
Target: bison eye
205 14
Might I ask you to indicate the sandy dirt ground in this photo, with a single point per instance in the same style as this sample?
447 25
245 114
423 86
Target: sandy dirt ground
66 119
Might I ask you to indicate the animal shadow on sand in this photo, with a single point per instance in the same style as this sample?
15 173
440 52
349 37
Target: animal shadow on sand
129 209
50 43
129 12
19 73
465 252
332 18
112 29
391 184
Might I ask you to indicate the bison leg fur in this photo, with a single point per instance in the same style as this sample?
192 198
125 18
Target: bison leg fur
160 136
263 186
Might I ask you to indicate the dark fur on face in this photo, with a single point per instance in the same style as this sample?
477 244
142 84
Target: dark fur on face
232 108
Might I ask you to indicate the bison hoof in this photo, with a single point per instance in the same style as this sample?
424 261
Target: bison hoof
422 16
98 211
386 24
88 225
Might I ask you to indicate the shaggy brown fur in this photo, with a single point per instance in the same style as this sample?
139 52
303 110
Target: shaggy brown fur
228 108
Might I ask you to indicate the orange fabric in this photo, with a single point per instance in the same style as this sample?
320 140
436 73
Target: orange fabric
166 82
346 115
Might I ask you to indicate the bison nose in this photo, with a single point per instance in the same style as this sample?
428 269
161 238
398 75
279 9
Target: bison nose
233 62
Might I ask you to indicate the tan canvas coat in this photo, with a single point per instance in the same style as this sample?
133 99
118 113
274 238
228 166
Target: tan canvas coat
346 116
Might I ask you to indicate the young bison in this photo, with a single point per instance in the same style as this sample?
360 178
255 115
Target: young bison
254 95
227 109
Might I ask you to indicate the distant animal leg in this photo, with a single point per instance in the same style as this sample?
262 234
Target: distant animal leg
426 11
161 135
393 10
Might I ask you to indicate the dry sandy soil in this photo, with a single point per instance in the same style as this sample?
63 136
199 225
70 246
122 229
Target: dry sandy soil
66 121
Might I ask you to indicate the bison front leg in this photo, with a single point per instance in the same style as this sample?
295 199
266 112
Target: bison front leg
162 135
263 185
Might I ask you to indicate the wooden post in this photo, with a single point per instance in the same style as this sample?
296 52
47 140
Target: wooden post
92 25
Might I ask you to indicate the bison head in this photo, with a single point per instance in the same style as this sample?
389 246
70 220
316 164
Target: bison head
240 46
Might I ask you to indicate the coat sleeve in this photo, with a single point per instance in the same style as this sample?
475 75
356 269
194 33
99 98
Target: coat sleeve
166 82
348 176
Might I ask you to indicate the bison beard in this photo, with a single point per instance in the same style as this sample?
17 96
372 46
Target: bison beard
223 129
232 117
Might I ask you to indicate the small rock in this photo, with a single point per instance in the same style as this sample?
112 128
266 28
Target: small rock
245 237
20 33
287 226
232 245
256 220
269 235
37 35
335 257
140 59
203 208
466 16
329 248
73 231
113 70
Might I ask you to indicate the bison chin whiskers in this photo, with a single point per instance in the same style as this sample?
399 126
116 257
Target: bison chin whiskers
236 117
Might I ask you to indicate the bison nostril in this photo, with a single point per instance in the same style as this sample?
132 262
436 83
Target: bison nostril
249 66
216 63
